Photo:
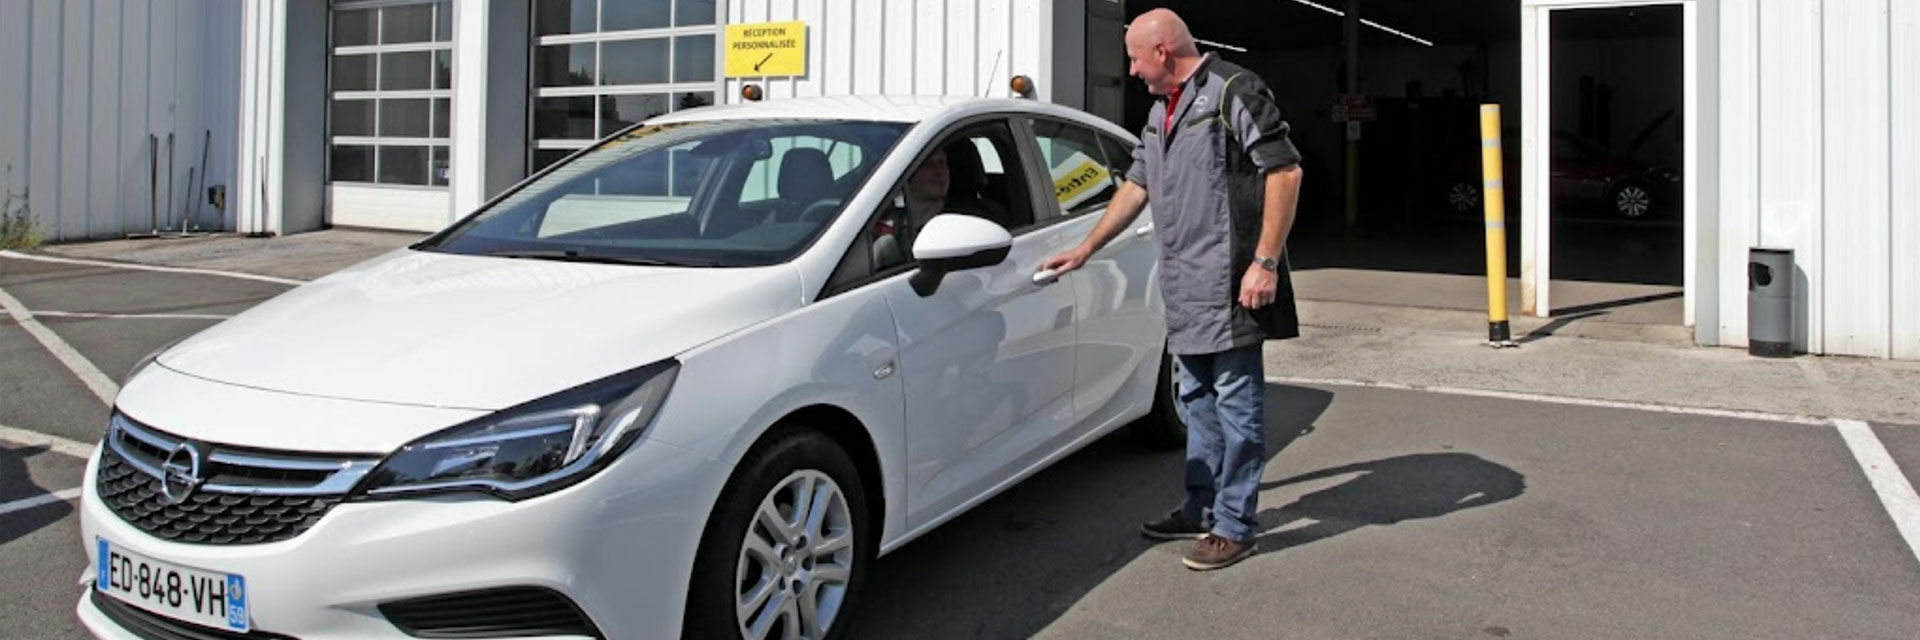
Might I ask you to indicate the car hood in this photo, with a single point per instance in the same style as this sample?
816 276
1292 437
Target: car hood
466 332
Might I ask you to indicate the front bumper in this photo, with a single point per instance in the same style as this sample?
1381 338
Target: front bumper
619 545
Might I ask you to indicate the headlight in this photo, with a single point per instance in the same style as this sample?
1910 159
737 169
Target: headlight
534 448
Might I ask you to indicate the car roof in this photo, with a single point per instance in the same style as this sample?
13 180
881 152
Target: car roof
880 108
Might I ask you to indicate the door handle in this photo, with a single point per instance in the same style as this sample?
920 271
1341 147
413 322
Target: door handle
1046 277
1143 229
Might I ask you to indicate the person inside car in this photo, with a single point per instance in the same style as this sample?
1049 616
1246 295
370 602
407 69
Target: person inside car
947 181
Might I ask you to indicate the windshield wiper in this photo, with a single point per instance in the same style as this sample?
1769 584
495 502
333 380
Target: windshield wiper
571 255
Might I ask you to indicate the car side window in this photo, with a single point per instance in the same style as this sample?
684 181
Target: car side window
1119 156
1084 179
975 171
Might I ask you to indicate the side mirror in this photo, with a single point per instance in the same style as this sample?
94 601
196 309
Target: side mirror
954 242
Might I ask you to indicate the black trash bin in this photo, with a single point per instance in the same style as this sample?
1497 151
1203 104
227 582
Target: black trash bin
1770 302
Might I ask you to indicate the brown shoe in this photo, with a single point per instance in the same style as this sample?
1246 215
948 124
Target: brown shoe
1214 552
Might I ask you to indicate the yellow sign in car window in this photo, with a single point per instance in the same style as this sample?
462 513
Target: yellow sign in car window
1078 178
766 49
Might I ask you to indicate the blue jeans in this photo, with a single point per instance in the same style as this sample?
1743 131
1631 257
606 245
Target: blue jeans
1223 401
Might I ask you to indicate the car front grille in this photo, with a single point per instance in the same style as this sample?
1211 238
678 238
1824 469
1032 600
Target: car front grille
237 497
493 613
148 626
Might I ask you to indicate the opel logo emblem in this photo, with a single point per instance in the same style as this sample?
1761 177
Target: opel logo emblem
180 473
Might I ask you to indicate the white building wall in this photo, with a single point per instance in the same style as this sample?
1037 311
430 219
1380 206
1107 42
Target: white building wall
909 47
1904 35
88 82
1857 269
1817 101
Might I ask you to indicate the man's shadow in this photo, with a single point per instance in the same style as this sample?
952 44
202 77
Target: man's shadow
1388 491
16 483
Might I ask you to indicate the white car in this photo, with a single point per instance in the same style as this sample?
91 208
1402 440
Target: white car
688 380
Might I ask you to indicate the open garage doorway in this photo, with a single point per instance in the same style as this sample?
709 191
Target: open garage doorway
1615 151
1611 154
1397 216
1394 216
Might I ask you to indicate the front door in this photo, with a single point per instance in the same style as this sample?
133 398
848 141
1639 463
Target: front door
987 360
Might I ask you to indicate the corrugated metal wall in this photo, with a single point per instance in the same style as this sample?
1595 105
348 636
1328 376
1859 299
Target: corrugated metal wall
1820 138
87 81
908 47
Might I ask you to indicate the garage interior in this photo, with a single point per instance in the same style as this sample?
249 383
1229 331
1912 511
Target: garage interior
1413 235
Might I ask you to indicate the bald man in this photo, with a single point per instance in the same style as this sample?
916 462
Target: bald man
1215 161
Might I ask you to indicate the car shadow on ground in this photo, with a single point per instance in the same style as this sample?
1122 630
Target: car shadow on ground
16 483
1014 564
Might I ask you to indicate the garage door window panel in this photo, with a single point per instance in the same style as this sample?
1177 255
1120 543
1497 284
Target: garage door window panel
632 59
390 117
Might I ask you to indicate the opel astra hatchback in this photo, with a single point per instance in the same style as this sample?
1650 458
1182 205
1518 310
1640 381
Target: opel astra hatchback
691 380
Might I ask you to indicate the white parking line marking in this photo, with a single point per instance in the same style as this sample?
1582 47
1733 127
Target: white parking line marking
102 386
1564 400
129 316
58 444
39 500
142 267
1896 493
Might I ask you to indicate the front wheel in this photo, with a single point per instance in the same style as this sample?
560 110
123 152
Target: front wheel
1163 428
786 548
1633 201
1463 197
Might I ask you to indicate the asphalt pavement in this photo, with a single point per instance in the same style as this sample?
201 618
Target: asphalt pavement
1386 512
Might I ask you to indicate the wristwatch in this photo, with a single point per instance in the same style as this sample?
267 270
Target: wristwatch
1270 264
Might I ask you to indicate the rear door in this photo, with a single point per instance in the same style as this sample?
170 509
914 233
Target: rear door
1116 295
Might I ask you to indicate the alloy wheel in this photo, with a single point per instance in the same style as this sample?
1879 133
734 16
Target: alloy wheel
1464 197
796 560
1633 201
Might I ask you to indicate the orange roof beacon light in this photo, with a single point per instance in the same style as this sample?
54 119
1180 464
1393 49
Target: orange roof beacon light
751 93
1022 86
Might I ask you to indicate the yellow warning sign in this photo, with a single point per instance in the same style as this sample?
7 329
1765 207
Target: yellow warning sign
766 49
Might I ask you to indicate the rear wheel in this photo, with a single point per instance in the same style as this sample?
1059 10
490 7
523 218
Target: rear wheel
786 549
1162 428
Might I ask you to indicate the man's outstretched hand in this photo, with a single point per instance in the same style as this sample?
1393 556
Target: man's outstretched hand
1065 261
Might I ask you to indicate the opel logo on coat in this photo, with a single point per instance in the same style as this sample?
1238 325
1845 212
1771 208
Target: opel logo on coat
180 473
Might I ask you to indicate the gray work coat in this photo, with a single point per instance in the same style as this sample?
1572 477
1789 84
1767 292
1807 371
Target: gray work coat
1206 181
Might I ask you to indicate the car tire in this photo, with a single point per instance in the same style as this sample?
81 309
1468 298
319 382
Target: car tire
1633 201
1162 428
743 556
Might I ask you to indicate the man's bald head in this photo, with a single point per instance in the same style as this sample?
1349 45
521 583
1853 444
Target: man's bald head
1160 50
1165 28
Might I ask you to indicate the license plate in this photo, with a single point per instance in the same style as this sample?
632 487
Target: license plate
206 598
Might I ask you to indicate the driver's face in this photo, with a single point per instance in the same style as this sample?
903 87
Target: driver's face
931 179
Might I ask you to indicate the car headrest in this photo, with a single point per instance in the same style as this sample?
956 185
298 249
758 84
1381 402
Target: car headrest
805 175
965 175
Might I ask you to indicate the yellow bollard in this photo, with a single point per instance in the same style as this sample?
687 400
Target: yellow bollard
1493 191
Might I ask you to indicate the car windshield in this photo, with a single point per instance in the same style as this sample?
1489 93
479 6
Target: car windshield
733 193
